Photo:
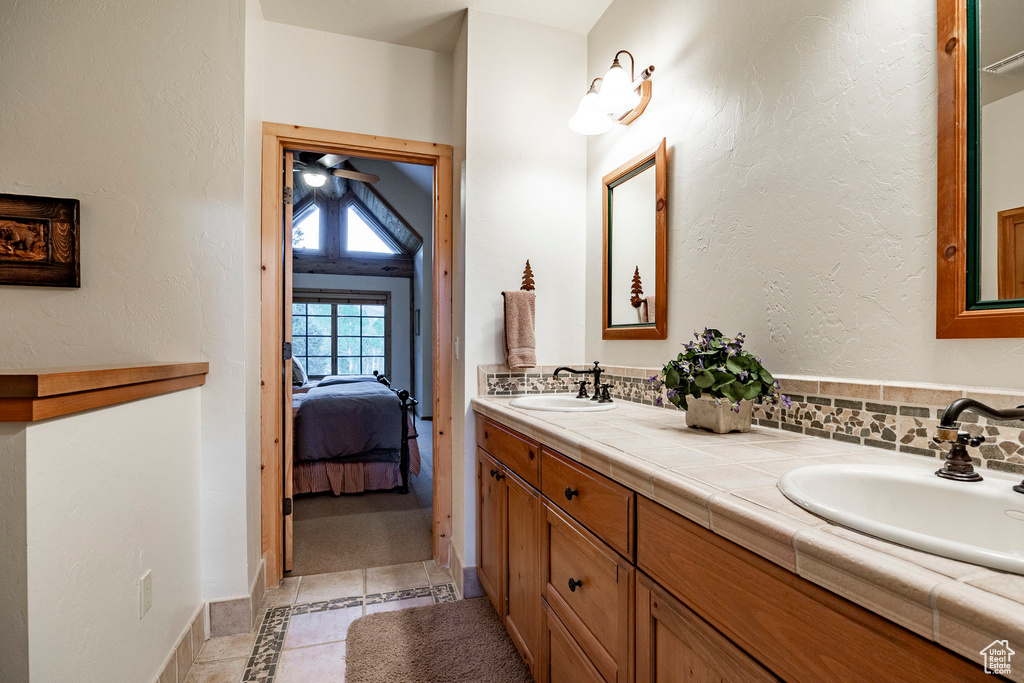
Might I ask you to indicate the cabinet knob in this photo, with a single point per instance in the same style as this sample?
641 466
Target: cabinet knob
494 473
499 476
570 492
574 584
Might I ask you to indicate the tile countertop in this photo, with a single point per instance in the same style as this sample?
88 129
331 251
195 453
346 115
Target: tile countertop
727 483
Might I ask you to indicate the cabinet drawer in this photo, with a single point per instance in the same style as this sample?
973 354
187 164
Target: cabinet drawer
601 505
512 450
563 659
590 587
788 624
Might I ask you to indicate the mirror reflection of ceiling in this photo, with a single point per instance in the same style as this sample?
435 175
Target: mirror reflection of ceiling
426 24
1002 35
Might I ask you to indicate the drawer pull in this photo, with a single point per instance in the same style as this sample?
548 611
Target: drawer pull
574 584
570 492
499 476
494 473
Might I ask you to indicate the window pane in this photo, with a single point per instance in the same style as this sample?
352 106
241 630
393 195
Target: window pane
348 366
348 346
319 346
298 325
298 309
371 364
372 327
319 326
373 346
348 309
348 327
373 311
298 346
361 237
306 232
319 309
318 366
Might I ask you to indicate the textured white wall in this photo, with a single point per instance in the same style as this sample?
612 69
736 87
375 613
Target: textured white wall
1002 179
327 80
401 298
14 558
463 506
112 493
802 197
252 208
137 110
524 197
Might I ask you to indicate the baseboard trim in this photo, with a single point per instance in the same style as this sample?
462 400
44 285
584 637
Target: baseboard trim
238 615
466 583
179 662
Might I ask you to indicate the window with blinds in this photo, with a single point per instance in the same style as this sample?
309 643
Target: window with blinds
342 333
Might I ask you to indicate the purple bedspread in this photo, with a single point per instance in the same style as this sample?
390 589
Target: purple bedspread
361 419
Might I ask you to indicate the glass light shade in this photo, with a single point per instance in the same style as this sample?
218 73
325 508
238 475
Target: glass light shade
588 120
617 94
314 178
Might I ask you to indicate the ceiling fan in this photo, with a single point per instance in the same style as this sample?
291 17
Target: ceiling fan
315 172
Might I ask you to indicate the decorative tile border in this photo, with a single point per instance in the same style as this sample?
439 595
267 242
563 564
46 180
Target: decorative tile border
266 651
894 416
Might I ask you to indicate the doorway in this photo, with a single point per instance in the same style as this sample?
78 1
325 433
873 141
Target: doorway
339 308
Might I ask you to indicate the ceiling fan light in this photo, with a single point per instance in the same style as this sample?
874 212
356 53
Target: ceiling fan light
588 120
618 94
315 178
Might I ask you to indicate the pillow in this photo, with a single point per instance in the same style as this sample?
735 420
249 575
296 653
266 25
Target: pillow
299 376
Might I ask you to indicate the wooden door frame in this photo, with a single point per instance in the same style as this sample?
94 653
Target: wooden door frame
277 138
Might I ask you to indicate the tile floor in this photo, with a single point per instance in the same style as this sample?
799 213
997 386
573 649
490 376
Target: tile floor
300 635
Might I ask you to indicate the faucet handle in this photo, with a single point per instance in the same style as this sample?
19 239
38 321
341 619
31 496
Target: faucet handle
583 389
977 440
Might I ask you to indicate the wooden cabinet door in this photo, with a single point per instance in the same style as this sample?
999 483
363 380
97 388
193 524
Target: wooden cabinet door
490 529
562 659
674 645
523 601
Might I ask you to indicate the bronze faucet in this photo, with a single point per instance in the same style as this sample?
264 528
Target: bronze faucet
596 372
958 465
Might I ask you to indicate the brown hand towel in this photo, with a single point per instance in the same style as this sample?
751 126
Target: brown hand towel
647 310
520 340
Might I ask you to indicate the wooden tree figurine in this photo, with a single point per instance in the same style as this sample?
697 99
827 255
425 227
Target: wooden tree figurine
527 278
637 290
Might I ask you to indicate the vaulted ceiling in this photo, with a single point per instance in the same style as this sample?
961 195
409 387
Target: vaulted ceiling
427 24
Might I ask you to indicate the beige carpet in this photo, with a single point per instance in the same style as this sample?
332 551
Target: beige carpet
452 641
372 529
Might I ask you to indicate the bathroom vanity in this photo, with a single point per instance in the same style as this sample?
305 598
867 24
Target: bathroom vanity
604 567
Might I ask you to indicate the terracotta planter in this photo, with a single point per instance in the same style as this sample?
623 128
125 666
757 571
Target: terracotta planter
720 419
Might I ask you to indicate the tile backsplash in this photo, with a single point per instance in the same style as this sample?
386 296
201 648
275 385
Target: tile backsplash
894 416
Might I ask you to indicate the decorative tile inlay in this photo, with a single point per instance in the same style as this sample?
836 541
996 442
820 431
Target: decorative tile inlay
888 425
266 652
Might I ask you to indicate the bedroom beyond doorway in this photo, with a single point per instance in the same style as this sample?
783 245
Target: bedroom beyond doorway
365 319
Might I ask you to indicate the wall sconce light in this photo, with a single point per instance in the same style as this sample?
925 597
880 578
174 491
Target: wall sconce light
622 97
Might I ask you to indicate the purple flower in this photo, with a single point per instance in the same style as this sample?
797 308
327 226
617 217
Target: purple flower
787 401
659 401
743 376
671 393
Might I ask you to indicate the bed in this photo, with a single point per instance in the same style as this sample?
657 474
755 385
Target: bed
353 434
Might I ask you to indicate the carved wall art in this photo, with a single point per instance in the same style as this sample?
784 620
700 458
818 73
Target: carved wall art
39 241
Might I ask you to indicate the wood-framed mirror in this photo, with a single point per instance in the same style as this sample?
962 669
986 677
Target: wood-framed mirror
980 278
635 260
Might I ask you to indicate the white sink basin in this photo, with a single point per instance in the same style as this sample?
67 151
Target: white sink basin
978 522
564 403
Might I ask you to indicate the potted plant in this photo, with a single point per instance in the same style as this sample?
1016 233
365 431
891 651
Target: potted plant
716 382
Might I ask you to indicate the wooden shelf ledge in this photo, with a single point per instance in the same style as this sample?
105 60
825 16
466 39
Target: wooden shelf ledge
42 393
